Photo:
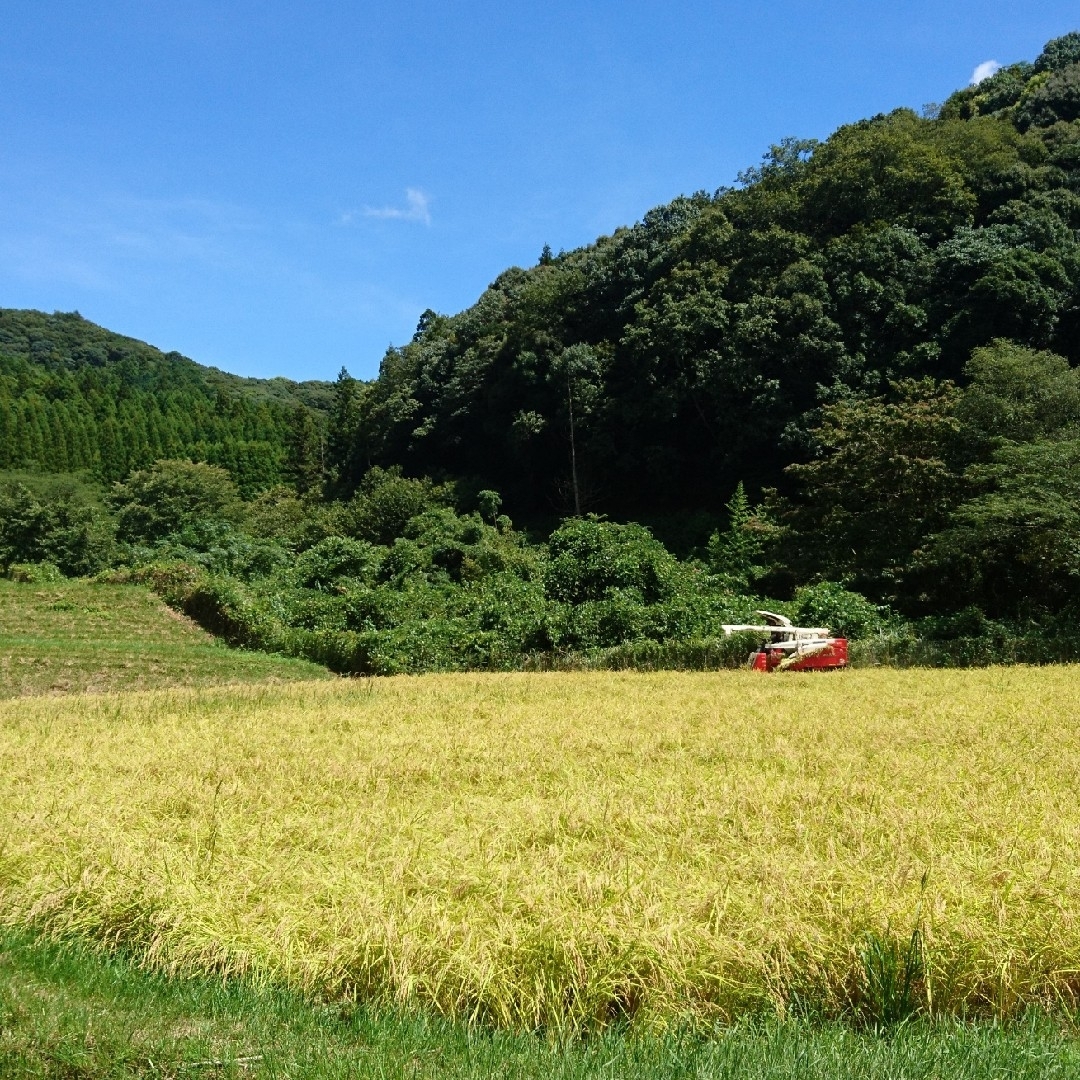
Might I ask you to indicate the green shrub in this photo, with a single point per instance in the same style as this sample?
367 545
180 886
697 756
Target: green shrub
845 613
279 514
386 502
334 559
592 560
168 496
220 548
41 573
173 581
55 519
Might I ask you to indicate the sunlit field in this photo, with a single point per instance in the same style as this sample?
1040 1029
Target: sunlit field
561 850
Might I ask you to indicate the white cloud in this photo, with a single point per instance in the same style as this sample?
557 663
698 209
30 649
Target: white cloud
984 71
417 208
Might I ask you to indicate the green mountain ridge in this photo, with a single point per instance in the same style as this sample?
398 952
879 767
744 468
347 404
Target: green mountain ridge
77 397
67 341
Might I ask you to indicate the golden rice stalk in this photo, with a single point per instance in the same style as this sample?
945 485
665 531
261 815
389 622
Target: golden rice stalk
561 849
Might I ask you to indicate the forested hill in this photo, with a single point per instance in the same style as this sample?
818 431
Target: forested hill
671 360
848 390
74 396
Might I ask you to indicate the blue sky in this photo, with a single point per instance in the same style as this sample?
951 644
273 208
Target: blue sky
281 188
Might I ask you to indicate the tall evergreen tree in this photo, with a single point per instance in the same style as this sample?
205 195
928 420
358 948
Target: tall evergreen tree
304 451
342 466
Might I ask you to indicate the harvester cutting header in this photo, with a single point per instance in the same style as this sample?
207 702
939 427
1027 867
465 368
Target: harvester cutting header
793 648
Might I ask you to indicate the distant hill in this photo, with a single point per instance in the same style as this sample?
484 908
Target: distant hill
647 374
75 396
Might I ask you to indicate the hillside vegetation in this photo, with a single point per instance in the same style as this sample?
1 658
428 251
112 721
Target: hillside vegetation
846 389
699 347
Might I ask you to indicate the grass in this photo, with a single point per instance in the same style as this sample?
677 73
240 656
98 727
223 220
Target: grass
79 636
67 1012
561 852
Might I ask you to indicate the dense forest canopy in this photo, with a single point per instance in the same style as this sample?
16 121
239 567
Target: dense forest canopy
74 396
850 384
697 348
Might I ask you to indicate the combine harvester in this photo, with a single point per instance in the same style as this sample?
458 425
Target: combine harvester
794 648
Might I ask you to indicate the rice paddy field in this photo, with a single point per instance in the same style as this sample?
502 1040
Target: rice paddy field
558 851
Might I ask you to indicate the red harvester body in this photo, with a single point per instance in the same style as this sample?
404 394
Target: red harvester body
794 648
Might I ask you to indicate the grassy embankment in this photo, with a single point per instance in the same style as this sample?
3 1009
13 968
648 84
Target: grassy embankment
78 636
559 850
68 1013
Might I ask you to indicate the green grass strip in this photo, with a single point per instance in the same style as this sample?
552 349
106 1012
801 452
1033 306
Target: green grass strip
68 1012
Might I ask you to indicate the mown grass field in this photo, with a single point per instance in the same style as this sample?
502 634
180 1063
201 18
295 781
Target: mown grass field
558 851
82 636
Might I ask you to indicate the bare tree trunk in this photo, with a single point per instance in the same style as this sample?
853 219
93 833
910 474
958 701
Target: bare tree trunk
573 451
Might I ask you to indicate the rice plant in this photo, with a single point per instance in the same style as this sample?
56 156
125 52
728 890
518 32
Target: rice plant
562 851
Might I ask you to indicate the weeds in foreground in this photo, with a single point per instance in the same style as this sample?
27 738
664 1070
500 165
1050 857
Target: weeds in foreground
68 1012
893 975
